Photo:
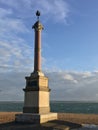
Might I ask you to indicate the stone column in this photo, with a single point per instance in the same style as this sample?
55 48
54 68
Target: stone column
37 51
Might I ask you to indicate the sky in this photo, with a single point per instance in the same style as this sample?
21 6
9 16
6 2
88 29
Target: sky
69 47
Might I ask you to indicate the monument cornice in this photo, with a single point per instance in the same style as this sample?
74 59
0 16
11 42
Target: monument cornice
36 89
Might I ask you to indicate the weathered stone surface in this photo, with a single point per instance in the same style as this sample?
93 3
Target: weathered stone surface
40 110
35 118
37 95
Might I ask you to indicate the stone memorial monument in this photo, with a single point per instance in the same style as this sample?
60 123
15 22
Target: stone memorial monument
37 93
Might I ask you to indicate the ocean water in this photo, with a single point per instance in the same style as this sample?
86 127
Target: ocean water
56 106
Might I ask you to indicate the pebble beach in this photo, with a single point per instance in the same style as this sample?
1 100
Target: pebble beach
66 120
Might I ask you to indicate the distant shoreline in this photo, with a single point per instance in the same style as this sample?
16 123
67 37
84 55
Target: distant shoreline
61 101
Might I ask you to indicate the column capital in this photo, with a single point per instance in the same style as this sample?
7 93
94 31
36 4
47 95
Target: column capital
37 26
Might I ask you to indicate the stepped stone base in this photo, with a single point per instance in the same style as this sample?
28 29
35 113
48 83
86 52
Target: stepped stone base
35 118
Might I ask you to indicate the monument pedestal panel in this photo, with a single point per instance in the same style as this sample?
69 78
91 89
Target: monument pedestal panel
35 118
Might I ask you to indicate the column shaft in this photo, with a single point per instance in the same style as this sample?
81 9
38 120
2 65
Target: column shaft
37 51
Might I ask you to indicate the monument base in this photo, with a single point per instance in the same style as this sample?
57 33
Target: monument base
35 118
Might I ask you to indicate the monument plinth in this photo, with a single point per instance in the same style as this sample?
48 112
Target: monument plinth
37 93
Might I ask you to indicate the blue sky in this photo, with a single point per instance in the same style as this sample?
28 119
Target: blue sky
69 47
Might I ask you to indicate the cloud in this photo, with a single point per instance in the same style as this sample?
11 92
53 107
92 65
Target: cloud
15 57
4 12
0 91
9 25
87 74
70 78
62 88
58 11
15 53
12 84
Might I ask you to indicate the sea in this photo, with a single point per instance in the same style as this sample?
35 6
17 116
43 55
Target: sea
56 106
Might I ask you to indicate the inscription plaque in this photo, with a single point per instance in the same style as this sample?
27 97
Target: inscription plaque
32 83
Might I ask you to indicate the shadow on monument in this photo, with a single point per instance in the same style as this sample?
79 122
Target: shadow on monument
51 125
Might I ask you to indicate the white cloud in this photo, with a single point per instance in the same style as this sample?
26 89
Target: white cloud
70 78
15 56
87 74
15 53
51 9
13 82
11 86
65 89
57 10
4 12
9 24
